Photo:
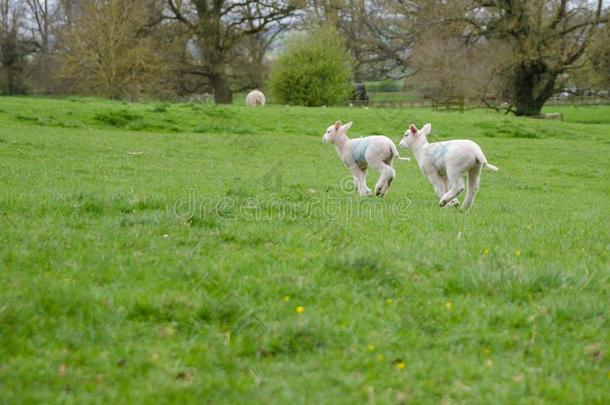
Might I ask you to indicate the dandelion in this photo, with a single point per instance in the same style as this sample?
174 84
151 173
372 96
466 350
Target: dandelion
169 330
300 309
486 252
380 357
389 301
370 348
400 365
518 252
449 306
286 298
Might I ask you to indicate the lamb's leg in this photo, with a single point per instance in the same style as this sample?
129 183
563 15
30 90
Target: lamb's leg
440 186
367 190
387 174
456 186
360 180
474 176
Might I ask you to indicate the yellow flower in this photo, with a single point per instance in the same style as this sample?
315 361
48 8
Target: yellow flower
389 301
286 298
380 357
169 330
370 348
449 306
400 365
486 351
300 309
518 252
486 252
488 363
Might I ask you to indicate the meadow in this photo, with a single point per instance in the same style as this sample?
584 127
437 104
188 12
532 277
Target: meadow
161 252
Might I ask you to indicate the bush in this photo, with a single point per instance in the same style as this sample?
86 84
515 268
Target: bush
314 71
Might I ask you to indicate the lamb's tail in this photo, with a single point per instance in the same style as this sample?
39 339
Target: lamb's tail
396 154
483 160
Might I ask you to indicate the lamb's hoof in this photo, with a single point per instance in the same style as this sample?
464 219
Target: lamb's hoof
442 203
453 203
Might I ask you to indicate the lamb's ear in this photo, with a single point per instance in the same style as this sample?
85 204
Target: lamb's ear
337 124
347 126
413 129
426 129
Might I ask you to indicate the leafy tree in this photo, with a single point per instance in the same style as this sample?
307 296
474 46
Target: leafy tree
14 47
313 71
545 38
599 57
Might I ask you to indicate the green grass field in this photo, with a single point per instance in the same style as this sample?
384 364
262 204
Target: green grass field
181 252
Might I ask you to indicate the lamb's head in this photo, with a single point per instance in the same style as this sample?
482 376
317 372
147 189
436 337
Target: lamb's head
413 134
334 131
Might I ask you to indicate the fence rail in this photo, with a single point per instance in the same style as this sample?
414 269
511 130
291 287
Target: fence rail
457 106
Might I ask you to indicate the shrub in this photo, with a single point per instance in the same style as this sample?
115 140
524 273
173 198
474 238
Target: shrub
314 71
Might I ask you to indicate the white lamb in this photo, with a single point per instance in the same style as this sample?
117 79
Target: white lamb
445 163
254 98
358 154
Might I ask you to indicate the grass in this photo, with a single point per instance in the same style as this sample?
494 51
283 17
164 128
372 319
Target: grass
158 253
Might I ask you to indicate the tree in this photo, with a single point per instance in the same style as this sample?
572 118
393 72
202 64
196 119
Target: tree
219 26
599 57
313 71
545 38
378 33
14 47
108 49
40 13
450 72
248 64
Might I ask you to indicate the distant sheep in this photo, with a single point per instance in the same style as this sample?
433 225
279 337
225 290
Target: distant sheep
445 163
358 154
255 98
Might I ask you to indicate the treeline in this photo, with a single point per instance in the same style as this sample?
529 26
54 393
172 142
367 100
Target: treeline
510 54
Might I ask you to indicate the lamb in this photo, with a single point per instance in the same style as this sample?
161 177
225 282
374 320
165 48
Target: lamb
445 163
358 154
255 98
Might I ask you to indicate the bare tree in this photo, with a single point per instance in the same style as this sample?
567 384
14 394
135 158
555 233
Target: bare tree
219 26
108 48
378 33
41 18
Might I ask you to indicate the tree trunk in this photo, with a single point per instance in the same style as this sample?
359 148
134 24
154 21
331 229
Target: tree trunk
533 84
222 91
